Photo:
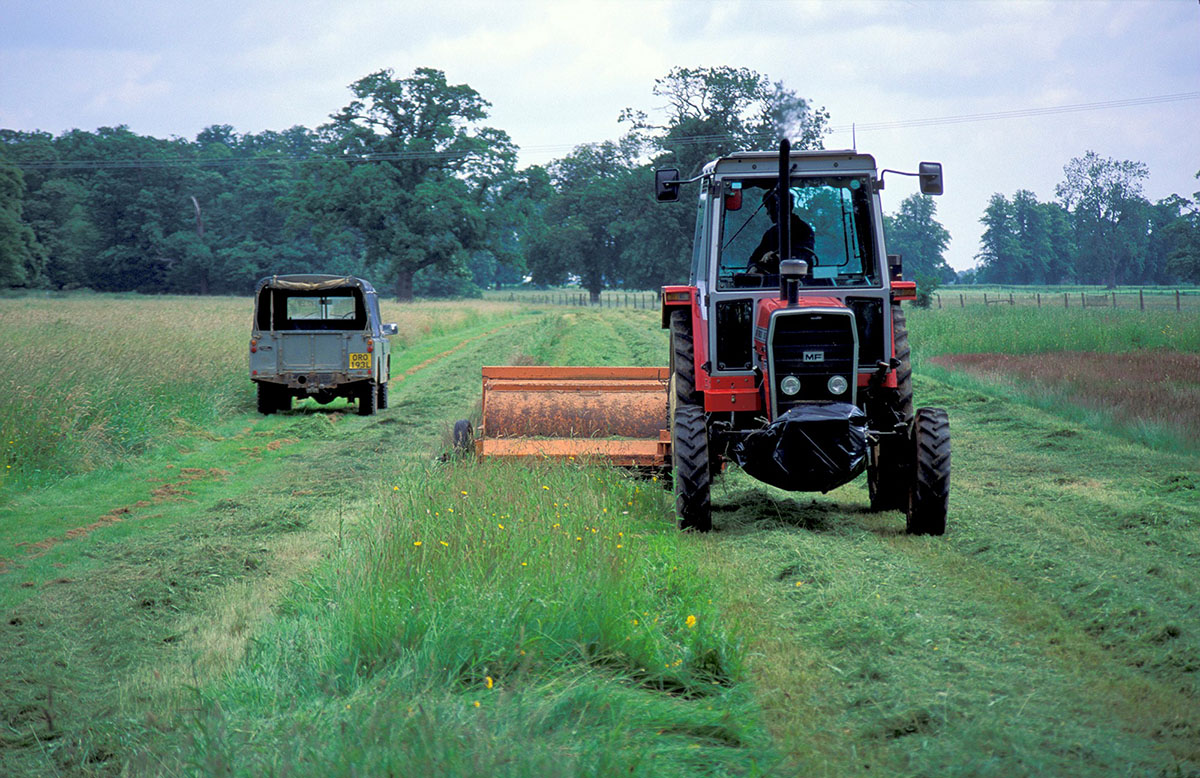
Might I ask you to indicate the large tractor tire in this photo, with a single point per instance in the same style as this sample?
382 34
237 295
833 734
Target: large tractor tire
692 470
366 398
689 460
683 358
929 495
890 466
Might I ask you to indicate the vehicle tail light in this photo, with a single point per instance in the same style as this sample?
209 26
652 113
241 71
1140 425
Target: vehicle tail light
370 345
253 346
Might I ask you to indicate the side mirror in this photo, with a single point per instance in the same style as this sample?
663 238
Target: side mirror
931 178
389 329
666 185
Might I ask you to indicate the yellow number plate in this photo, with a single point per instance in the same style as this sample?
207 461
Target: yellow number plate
360 361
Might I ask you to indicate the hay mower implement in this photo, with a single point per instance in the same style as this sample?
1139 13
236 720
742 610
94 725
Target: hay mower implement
788 354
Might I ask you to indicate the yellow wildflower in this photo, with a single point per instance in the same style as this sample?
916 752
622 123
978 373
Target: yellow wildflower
416 542
691 621
489 682
476 703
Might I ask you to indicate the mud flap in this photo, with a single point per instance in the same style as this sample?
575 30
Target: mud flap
811 448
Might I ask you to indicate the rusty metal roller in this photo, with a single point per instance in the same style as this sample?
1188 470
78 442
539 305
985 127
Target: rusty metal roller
574 402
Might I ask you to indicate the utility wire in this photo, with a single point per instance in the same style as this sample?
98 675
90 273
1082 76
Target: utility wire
695 140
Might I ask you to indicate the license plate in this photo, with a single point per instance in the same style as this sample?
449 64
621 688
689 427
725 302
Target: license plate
360 361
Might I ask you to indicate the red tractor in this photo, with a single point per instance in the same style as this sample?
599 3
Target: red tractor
789 352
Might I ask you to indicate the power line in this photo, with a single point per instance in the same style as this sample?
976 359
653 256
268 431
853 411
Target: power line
1020 114
695 140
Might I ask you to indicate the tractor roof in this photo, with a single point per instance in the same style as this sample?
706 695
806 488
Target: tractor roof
828 161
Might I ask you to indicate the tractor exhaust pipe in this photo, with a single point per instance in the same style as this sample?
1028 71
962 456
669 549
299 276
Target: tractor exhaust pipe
790 270
783 217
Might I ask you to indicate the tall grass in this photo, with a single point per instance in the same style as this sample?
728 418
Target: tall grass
89 379
1012 330
495 620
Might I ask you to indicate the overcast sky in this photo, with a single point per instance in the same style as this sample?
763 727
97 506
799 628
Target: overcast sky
558 73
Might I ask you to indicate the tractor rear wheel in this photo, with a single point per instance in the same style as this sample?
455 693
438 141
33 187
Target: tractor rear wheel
890 466
689 459
929 494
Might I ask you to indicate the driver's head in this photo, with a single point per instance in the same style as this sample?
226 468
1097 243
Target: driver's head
771 203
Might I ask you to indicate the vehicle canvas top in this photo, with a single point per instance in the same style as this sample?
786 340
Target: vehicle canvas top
312 282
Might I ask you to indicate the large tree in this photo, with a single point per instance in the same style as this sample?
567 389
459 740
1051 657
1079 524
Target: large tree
409 171
915 234
1182 234
1025 241
1105 199
709 112
584 229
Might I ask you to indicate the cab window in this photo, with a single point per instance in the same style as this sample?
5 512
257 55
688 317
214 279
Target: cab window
837 210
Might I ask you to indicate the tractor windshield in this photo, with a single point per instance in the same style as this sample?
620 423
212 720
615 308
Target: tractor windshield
830 229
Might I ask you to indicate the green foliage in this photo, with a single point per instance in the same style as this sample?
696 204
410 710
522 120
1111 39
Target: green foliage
411 173
1105 198
21 256
916 235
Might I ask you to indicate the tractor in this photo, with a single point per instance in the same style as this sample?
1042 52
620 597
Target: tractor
789 353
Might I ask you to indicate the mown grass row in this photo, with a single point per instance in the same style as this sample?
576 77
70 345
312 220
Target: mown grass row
89 380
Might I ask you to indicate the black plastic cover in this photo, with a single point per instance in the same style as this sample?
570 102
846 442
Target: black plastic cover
813 447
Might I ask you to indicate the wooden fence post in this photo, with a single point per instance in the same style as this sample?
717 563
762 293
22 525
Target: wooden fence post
962 303
1141 299
985 299
1039 296
1010 298
1114 298
1065 299
1082 300
1177 308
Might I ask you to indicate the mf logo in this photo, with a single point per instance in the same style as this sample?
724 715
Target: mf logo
814 356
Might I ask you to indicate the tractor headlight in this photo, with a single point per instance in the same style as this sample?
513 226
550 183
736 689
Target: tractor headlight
837 385
790 385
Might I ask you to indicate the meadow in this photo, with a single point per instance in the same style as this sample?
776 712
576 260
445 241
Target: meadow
319 592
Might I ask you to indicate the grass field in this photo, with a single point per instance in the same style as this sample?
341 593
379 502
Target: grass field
209 591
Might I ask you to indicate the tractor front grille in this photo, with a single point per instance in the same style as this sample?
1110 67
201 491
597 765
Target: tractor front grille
813 345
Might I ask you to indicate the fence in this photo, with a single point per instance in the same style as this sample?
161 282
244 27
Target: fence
1179 300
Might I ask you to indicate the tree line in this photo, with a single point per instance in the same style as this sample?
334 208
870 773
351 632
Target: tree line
1100 230
407 185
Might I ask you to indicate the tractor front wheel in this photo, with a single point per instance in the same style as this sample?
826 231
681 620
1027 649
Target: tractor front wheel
929 492
689 458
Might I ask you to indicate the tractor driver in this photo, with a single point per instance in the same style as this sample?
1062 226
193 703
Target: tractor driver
765 258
